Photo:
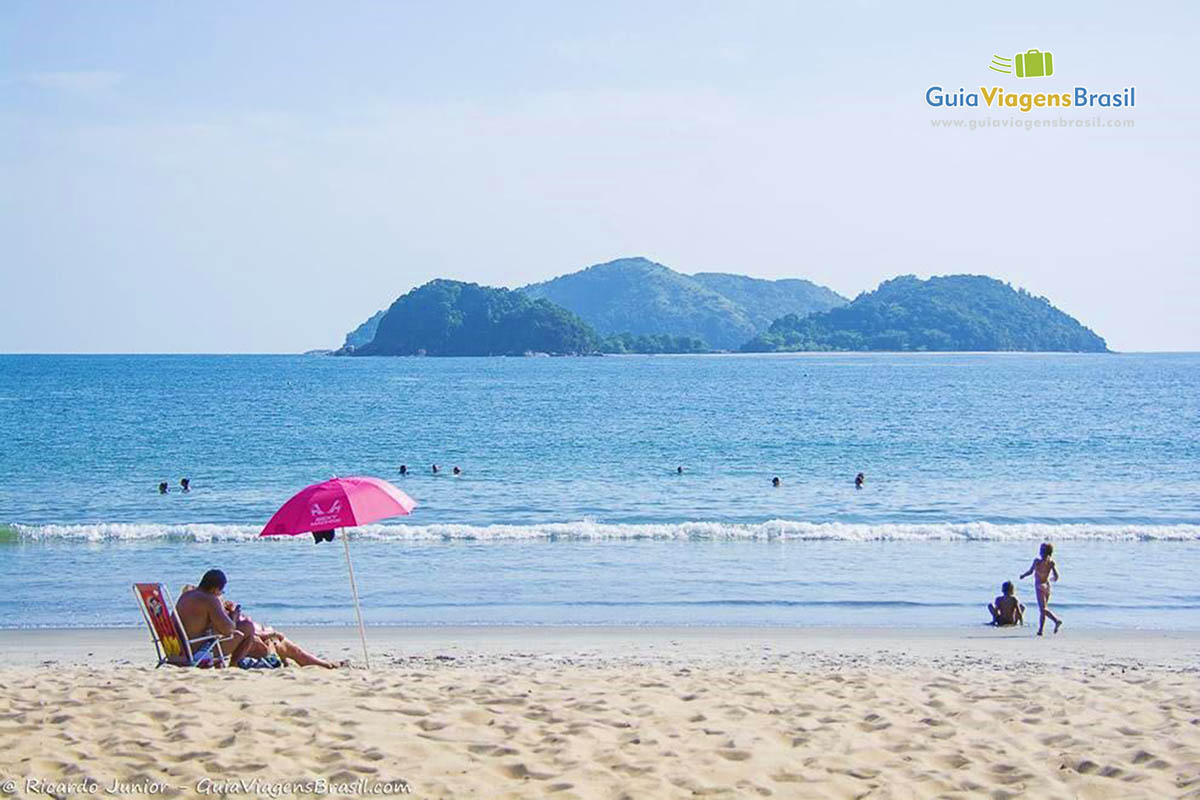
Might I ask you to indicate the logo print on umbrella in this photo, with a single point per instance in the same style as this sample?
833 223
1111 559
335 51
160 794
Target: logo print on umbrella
320 517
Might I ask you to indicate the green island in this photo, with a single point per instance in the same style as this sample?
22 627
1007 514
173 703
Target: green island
636 306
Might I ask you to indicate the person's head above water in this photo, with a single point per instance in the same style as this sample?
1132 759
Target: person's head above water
859 479
679 470
436 467
162 488
457 471
404 469
775 481
1006 588
1047 549
213 582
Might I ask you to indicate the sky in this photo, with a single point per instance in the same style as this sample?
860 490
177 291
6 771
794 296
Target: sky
261 177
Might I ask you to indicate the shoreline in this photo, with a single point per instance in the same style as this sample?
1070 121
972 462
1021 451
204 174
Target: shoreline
392 646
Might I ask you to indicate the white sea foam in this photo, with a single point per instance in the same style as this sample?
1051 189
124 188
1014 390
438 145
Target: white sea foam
774 530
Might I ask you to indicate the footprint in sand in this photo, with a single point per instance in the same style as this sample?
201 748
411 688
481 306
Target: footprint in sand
520 771
490 750
787 777
413 711
631 770
1141 757
430 725
955 761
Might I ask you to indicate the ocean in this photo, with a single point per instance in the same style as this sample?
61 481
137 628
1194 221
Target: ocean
570 509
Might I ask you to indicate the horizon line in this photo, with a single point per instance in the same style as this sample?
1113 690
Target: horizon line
317 352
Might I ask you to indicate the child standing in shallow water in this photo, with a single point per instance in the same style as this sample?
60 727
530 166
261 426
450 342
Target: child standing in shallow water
1043 571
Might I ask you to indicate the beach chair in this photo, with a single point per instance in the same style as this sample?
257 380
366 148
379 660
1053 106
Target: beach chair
166 631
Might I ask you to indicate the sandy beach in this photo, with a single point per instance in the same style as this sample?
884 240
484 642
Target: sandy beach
620 712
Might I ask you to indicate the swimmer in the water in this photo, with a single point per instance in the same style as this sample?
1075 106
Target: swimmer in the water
1043 571
404 469
436 469
679 470
775 481
457 471
185 484
859 480
163 488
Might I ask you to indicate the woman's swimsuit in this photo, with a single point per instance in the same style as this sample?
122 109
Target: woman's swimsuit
1043 591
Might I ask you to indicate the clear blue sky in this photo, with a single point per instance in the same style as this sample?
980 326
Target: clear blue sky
260 177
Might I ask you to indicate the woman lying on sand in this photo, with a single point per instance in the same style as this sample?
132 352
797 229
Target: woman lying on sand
266 642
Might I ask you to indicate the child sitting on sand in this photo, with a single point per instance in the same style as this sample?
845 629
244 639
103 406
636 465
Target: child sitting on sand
1043 571
1006 609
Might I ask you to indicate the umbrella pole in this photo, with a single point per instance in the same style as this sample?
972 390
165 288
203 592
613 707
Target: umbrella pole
362 631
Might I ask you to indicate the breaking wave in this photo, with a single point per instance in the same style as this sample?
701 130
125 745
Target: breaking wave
774 530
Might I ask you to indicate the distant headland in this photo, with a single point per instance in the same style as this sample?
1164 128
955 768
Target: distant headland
634 305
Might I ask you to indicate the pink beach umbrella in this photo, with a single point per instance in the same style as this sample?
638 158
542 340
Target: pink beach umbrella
340 503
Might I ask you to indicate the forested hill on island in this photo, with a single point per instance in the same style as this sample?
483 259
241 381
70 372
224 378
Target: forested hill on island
955 312
663 311
451 318
641 297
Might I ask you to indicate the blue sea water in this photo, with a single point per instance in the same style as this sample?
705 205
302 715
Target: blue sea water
569 508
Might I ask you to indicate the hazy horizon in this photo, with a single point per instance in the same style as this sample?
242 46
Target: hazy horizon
263 178
384 307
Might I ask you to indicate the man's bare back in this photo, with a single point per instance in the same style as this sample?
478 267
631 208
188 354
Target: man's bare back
201 613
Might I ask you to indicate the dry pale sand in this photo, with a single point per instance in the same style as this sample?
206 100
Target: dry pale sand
723 714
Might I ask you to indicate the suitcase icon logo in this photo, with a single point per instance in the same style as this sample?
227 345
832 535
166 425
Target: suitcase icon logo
1034 64
1030 64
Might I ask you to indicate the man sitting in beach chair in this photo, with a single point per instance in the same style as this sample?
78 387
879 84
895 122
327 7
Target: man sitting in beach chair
171 640
202 609
202 613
